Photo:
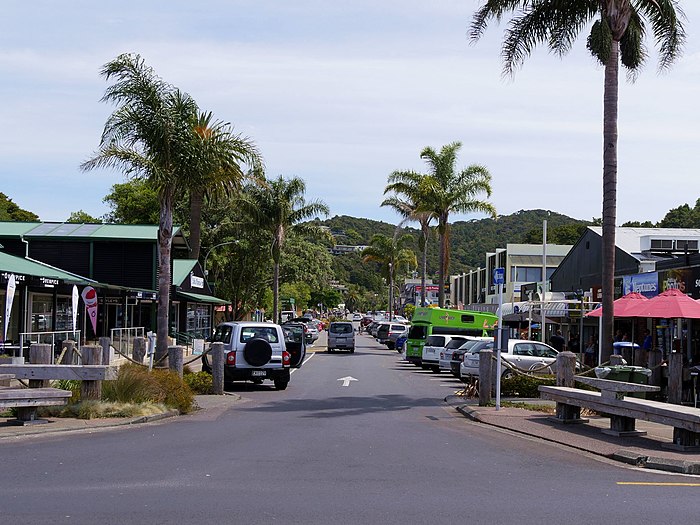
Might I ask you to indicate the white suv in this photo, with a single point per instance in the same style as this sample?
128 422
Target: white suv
253 351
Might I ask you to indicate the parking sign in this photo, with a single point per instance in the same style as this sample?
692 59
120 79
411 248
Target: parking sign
499 275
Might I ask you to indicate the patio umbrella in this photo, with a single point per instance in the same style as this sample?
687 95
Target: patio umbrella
525 317
671 304
623 305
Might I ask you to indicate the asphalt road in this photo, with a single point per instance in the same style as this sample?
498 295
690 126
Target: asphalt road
382 448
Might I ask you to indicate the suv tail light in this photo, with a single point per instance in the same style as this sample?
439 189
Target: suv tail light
231 358
286 358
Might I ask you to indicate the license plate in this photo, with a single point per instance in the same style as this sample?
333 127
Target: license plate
258 373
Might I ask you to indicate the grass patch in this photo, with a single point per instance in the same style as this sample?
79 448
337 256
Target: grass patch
103 409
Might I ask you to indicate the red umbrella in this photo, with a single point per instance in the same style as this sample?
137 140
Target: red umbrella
622 306
671 304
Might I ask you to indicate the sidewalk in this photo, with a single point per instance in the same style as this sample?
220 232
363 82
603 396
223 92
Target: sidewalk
9 431
642 451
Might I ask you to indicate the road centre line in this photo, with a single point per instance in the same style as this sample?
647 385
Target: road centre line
660 484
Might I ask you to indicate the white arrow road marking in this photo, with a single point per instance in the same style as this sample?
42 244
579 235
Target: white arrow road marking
346 380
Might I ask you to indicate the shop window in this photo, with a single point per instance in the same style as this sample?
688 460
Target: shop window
42 313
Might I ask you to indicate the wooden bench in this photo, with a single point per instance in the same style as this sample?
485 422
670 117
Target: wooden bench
27 400
624 411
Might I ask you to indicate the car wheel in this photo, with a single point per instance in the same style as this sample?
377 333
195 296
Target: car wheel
424 367
281 384
390 346
435 369
507 374
352 350
257 352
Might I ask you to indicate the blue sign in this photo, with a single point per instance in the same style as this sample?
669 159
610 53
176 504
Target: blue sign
499 276
646 284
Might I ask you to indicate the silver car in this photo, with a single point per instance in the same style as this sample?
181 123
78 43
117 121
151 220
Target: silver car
521 353
341 336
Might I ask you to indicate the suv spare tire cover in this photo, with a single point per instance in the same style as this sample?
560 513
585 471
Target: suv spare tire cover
257 352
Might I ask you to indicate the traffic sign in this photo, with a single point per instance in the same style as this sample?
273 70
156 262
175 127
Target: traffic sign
499 276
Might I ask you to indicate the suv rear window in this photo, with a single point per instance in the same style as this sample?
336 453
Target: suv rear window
417 332
222 334
268 333
435 340
341 328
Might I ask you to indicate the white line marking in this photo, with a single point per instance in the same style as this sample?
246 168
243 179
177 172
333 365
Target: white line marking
305 361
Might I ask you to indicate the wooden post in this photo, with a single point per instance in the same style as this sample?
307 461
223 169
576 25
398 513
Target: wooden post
566 370
40 354
139 349
68 352
640 357
486 377
106 344
628 354
92 355
675 378
216 358
176 359
655 357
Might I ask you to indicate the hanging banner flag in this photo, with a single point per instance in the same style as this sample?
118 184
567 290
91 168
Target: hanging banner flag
75 308
89 296
9 298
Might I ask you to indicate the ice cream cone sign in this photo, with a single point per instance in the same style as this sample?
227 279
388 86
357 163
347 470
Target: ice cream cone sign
89 296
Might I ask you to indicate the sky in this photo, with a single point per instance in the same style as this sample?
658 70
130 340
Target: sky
341 94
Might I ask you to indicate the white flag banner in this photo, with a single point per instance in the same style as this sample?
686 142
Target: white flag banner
75 308
9 298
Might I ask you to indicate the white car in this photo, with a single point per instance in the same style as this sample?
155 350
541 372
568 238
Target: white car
446 354
521 353
356 317
434 345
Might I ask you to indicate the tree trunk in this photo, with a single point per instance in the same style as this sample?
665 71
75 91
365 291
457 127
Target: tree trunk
275 291
196 200
165 235
424 264
610 104
441 272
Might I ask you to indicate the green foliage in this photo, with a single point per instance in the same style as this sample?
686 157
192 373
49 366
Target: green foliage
135 384
69 384
10 212
100 409
525 386
82 217
408 311
133 202
199 382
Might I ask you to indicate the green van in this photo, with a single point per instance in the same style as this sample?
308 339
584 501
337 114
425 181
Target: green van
429 321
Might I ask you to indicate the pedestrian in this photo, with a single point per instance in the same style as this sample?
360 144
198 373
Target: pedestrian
557 341
573 344
647 342
618 336
589 352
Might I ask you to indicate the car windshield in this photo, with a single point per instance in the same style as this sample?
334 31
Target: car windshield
341 328
456 343
479 346
222 334
435 340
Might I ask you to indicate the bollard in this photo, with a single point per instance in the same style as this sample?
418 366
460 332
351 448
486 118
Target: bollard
68 353
566 371
655 357
176 359
640 357
486 376
675 378
40 354
139 353
91 390
216 358
107 354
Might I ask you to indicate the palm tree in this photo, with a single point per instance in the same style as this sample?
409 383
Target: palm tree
407 200
216 169
617 36
149 136
392 254
446 191
279 207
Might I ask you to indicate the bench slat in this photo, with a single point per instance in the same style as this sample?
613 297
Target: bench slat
51 372
673 415
33 397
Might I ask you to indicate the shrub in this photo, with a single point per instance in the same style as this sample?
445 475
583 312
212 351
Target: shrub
199 382
521 385
69 384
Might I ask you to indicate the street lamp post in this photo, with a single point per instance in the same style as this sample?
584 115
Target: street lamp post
391 292
206 272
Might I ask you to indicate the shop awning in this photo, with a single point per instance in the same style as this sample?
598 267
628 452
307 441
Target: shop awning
19 266
200 298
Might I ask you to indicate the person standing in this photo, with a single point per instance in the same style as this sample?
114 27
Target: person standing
647 342
557 341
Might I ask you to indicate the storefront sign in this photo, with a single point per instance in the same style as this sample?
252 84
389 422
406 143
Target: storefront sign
150 296
687 280
47 282
196 282
19 278
646 284
89 296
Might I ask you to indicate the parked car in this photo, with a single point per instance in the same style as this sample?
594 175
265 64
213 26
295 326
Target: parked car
311 332
458 355
356 317
388 332
452 346
435 344
375 328
395 335
253 351
341 336
521 353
